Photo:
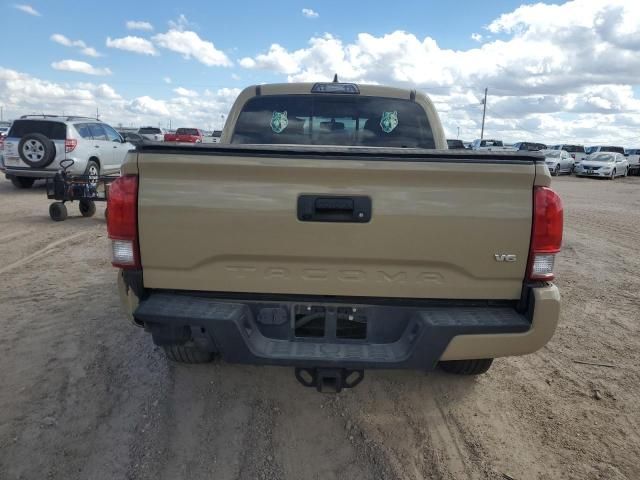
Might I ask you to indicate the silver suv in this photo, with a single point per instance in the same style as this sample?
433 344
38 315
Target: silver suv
36 144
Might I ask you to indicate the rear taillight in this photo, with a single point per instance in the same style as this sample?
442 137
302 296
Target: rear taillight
70 144
573 155
122 222
546 233
1 142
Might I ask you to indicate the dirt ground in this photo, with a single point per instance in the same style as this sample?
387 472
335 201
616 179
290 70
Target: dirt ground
83 394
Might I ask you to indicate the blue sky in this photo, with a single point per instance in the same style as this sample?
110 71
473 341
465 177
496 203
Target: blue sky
240 29
549 79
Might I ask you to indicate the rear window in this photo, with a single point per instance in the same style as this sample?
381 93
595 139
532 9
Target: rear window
149 130
333 120
612 149
531 147
455 144
52 130
573 148
187 131
491 143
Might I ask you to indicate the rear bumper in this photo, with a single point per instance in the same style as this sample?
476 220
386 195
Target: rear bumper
412 337
78 168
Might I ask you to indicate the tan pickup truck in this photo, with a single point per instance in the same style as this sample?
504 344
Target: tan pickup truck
331 230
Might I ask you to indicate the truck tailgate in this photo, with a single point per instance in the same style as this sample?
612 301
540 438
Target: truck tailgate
224 221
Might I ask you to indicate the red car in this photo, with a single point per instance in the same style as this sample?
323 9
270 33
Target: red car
185 135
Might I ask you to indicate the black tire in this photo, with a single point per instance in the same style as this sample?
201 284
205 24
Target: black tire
36 150
556 171
613 174
22 182
93 171
58 211
87 208
467 367
187 353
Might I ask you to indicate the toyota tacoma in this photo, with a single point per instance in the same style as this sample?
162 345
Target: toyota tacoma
332 231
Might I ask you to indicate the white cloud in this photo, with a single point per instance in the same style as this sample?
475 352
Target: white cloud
476 37
138 25
62 40
148 106
309 13
548 77
182 23
167 80
80 67
22 94
28 9
132 44
185 92
189 44
84 48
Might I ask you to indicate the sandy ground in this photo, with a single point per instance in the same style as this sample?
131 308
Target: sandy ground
83 394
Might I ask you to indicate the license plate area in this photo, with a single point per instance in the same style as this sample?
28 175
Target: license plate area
329 322
309 321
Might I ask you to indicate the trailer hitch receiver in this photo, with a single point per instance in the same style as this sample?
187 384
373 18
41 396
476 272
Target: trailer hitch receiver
329 380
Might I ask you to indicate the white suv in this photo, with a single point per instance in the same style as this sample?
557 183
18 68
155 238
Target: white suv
154 134
36 144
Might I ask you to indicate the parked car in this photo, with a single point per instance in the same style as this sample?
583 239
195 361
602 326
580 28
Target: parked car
455 144
491 145
576 151
131 137
633 157
371 280
152 133
185 135
216 136
603 164
36 144
558 161
529 146
3 135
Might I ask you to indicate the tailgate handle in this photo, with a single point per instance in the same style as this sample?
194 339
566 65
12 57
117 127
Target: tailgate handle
334 208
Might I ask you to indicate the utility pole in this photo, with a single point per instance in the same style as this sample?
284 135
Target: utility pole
1 114
97 114
458 135
484 112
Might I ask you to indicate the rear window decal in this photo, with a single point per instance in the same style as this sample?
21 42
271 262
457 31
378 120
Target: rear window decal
389 121
279 121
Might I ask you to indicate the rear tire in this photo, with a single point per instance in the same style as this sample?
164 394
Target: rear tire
87 208
22 182
187 353
58 211
467 367
93 172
